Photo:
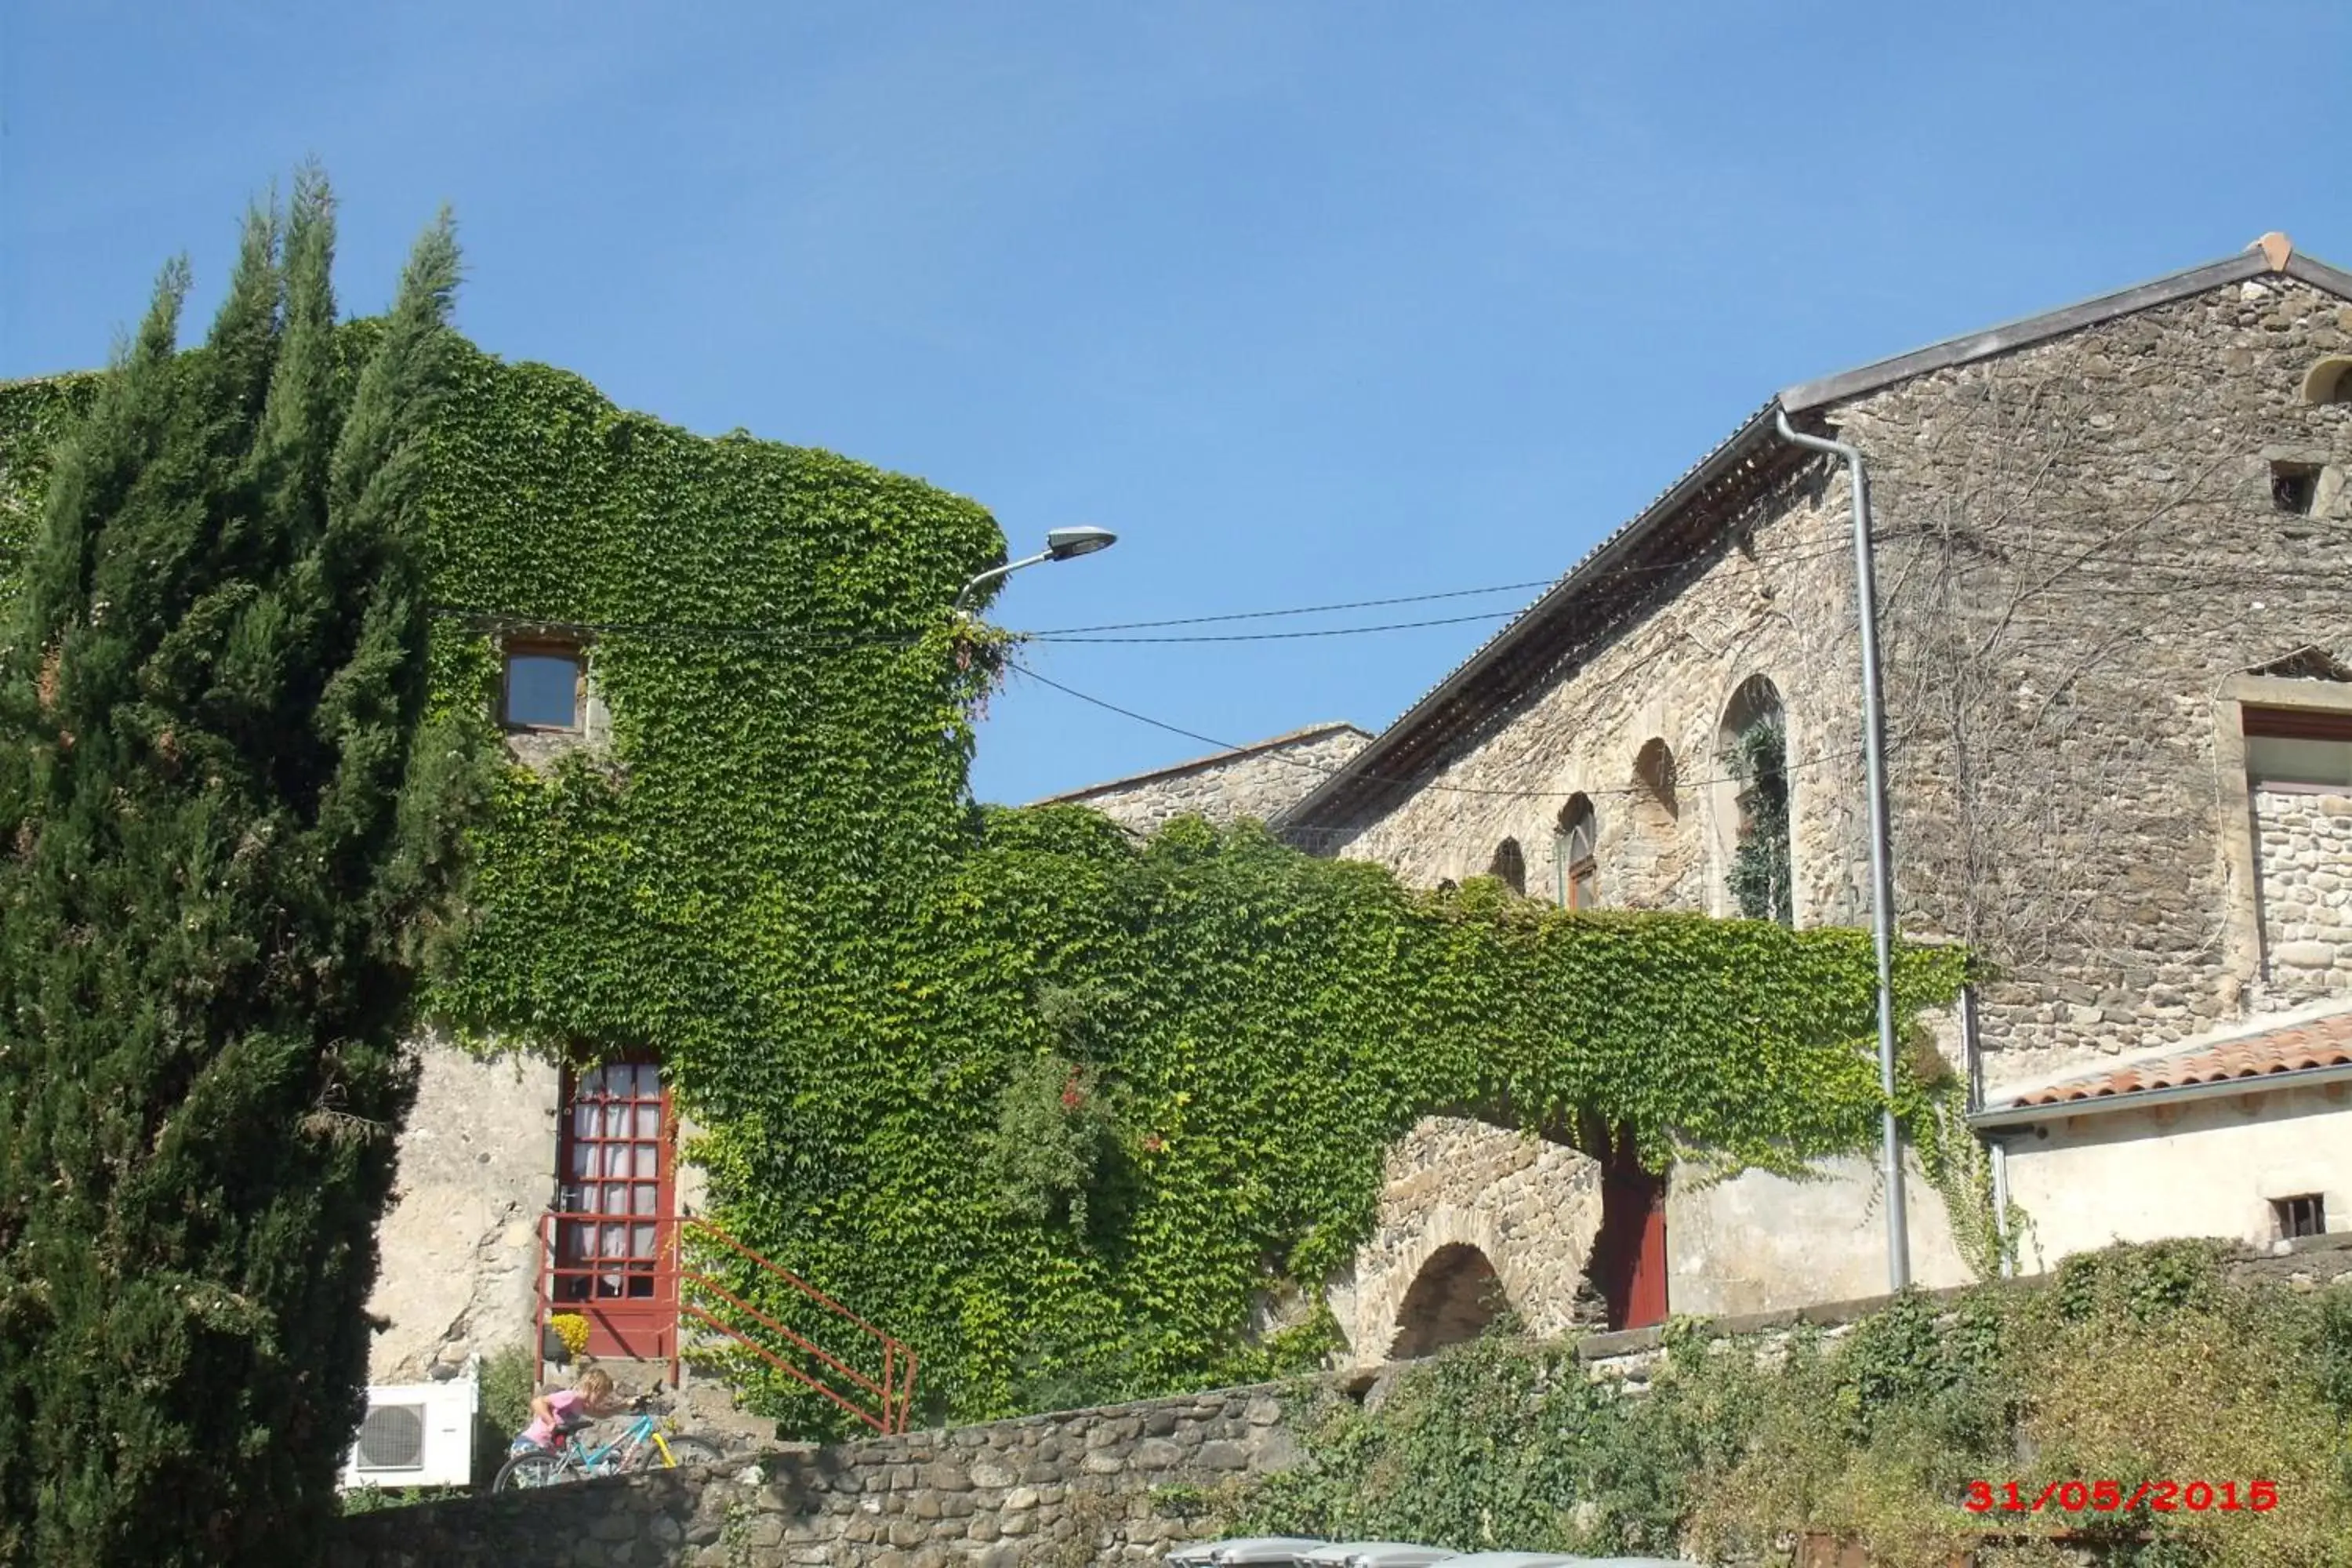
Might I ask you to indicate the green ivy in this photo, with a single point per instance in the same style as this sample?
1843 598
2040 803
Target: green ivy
776 875
1760 878
1054 1128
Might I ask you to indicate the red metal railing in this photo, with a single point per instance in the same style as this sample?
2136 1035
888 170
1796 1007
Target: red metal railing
884 1402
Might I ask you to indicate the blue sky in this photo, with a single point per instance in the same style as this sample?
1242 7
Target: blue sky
1311 301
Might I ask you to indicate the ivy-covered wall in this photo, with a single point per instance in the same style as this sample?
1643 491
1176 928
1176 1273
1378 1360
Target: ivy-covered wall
1054 1108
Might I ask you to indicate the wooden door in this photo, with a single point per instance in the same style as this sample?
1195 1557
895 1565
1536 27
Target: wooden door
614 1200
1630 1255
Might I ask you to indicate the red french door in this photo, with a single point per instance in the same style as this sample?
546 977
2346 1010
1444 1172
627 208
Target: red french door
613 1205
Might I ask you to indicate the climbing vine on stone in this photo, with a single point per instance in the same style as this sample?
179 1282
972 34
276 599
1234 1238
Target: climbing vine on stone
860 984
1759 878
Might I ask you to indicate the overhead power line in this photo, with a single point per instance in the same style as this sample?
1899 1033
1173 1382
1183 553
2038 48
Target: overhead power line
1299 610
1422 783
1280 637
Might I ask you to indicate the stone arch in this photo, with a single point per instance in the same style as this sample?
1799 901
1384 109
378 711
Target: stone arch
1456 1297
1653 863
1528 1207
1765 805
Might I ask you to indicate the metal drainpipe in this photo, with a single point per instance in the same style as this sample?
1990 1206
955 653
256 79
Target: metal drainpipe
1970 1052
1882 871
2000 1202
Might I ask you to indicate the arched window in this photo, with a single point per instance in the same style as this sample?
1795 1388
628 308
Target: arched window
1754 739
1509 865
1655 807
1575 851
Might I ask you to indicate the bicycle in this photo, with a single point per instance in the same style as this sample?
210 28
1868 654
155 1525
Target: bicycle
645 1445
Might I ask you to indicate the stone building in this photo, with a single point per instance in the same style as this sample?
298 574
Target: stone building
556 1176
2114 552
1261 780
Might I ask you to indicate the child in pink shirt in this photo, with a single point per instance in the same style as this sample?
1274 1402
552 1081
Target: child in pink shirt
565 1409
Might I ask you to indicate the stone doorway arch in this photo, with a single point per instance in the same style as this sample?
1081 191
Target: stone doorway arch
1456 1295
1472 1218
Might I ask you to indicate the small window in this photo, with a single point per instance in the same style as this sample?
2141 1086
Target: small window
2329 380
2293 487
1510 864
2302 749
2305 1215
1580 869
543 687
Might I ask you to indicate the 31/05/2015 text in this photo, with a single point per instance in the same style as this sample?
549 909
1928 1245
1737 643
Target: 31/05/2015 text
2121 1496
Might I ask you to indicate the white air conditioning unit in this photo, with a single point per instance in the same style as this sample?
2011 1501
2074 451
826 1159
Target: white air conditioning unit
416 1434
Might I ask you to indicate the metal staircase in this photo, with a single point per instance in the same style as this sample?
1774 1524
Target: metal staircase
677 1291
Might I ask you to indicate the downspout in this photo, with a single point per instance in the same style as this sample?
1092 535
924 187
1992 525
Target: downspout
1970 1055
1995 1145
1881 872
2000 1202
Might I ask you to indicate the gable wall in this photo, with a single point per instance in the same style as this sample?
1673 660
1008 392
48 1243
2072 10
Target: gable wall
2080 551
2077 549
1259 782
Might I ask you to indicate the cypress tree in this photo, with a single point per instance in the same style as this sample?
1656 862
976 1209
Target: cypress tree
224 819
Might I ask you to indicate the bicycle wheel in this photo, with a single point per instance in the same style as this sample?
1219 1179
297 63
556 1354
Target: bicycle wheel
530 1470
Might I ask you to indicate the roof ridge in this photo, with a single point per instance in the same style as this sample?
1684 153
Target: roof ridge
2257 260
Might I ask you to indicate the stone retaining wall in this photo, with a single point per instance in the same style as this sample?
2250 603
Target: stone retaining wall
2312 1263
1076 1488
1065 1490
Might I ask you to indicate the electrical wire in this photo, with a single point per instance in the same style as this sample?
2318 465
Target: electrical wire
1300 610
1281 637
509 620
516 621
1328 769
2153 582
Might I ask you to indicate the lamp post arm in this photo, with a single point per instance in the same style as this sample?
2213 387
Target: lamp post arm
993 572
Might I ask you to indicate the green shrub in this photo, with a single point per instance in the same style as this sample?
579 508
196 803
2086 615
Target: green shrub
2134 1364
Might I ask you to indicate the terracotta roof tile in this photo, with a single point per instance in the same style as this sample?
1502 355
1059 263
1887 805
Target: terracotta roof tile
2297 1047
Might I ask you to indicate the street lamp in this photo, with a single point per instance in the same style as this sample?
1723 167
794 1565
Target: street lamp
1061 544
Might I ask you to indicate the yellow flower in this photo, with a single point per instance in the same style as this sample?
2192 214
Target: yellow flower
573 1329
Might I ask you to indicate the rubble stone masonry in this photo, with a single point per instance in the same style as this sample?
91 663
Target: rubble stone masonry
1255 781
1087 1486
460 1243
2079 546
1530 1208
2305 857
